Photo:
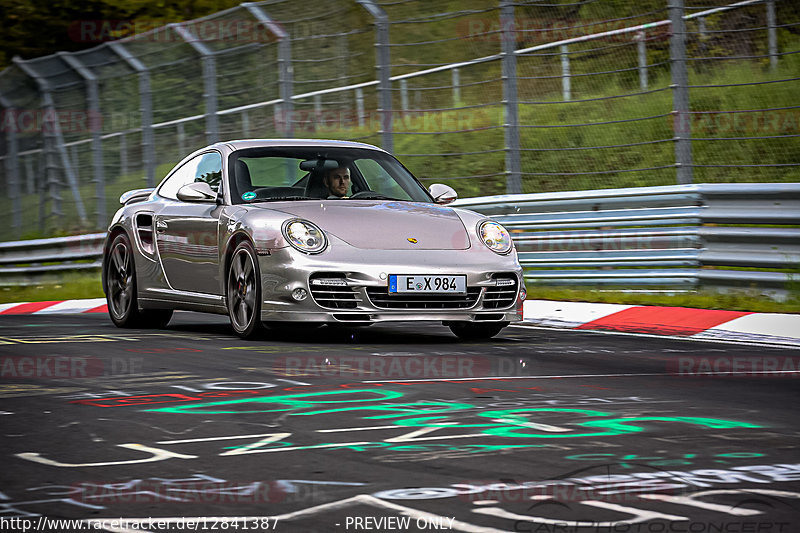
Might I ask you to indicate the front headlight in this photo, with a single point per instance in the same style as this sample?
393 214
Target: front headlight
304 236
495 237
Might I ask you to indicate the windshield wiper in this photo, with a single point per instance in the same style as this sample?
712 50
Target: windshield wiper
373 196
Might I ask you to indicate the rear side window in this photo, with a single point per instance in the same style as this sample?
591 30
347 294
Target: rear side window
205 167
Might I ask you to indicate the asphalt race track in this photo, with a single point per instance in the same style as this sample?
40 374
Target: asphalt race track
392 428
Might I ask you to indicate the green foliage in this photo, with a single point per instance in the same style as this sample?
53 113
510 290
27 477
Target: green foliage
33 28
70 286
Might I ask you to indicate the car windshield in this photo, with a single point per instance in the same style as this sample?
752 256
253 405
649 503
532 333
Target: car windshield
313 173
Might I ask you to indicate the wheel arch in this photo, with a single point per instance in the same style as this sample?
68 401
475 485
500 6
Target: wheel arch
235 240
112 234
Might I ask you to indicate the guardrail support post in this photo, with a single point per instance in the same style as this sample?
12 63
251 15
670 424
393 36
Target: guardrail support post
285 69
12 168
383 65
209 79
511 123
95 125
680 94
146 109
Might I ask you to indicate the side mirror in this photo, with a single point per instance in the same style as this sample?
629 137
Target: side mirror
199 191
443 194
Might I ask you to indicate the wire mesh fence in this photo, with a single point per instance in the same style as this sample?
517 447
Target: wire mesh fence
488 96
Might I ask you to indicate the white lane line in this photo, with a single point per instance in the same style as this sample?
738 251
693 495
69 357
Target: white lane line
669 374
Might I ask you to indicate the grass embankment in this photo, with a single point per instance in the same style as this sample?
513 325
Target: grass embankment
74 286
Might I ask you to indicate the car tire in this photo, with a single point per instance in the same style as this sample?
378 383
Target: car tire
121 296
476 331
243 292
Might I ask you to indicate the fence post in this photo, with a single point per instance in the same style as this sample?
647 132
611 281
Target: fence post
209 79
30 180
511 123
181 140
772 35
680 93
404 95
285 69
566 81
641 47
245 124
146 108
317 112
123 154
12 169
456 87
95 125
56 143
383 65
360 106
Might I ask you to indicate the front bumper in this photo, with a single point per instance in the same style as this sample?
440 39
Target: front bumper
363 290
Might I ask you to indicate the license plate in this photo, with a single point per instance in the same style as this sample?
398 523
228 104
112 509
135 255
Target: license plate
428 284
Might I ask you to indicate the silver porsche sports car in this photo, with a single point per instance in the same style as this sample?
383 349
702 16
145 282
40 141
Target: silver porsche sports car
307 231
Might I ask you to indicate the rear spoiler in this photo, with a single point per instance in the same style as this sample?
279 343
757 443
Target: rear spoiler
136 195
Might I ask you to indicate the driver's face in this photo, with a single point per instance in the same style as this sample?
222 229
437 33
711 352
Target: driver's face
338 181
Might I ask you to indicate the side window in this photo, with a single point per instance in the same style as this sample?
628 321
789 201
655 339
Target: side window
206 167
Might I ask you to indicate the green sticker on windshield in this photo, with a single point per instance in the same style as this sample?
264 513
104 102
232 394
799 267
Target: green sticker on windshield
248 195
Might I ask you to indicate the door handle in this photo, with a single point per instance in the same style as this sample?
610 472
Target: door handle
161 226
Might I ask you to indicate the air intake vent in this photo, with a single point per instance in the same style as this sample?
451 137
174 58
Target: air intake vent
503 294
331 290
382 299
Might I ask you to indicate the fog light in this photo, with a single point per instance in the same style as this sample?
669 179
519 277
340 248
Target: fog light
523 293
299 294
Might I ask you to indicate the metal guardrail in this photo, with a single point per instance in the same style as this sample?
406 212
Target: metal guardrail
34 261
675 238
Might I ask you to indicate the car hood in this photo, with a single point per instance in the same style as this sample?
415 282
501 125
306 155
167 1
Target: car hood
382 225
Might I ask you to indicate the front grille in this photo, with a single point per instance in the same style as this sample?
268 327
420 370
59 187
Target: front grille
382 299
332 296
501 296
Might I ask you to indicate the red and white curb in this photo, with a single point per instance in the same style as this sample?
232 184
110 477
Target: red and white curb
64 307
684 322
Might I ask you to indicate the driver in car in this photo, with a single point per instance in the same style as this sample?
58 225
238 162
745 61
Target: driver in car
338 182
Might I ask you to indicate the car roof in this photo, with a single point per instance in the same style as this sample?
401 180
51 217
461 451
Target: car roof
269 143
